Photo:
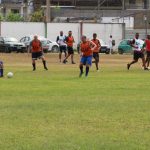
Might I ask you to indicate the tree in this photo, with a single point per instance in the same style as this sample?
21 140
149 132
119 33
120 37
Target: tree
14 17
37 16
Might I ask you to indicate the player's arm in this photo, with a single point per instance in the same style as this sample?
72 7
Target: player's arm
143 47
132 43
99 45
41 46
93 45
57 40
30 47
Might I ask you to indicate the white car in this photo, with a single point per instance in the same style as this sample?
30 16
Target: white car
48 45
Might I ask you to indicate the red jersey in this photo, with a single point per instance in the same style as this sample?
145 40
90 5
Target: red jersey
86 48
36 46
98 45
147 42
70 41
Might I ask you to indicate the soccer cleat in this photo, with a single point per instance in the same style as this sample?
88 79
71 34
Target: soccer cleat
73 62
128 66
64 61
34 69
45 68
146 69
80 75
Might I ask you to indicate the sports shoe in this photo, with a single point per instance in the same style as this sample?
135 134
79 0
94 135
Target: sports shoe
73 62
80 75
146 69
34 69
128 66
45 68
64 61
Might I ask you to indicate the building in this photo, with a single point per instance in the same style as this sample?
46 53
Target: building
23 7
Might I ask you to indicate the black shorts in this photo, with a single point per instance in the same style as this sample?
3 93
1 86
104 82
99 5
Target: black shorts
70 50
63 48
148 53
37 55
137 55
96 56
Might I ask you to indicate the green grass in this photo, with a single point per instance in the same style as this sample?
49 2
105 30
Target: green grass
56 110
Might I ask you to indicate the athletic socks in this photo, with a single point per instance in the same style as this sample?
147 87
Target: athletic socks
34 66
81 71
44 63
1 72
87 71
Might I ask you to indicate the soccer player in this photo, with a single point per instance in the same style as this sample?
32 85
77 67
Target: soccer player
147 48
138 53
37 52
69 41
96 50
1 69
61 40
86 49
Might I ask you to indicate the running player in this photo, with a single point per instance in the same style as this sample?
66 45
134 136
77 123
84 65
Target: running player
37 52
1 69
138 53
61 40
146 46
96 50
86 49
69 41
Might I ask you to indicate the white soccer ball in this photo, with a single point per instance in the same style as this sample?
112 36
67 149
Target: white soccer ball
10 75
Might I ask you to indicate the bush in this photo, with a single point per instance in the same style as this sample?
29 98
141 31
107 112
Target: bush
14 17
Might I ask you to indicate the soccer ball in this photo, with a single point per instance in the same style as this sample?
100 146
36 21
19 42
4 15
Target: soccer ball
10 75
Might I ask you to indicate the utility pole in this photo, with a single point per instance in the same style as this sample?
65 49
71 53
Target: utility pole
48 11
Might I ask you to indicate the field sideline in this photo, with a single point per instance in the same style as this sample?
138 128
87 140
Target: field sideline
57 110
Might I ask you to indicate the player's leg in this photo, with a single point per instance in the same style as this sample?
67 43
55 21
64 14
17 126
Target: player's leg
88 64
44 63
72 59
34 64
1 69
97 61
135 60
82 62
143 61
34 58
81 69
60 53
148 59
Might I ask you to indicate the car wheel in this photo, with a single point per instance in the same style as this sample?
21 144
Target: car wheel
120 51
55 49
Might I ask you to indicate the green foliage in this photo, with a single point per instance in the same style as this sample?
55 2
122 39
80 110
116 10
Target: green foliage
1 17
37 16
14 17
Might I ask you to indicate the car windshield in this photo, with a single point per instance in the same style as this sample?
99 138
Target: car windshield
124 42
7 39
102 42
44 42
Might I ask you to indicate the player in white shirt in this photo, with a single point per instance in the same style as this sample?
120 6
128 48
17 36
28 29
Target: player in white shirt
137 52
61 40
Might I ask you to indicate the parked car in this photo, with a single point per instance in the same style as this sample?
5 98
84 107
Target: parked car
104 47
48 45
11 44
125 47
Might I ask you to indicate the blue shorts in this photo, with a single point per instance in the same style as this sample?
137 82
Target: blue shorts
86 60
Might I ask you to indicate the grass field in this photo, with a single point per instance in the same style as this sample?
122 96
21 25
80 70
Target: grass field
56 110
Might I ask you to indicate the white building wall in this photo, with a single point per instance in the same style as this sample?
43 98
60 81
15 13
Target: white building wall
19 29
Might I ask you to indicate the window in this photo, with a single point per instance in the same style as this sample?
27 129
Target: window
132 1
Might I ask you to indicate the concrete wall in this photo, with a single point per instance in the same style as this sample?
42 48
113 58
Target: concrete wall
18 30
